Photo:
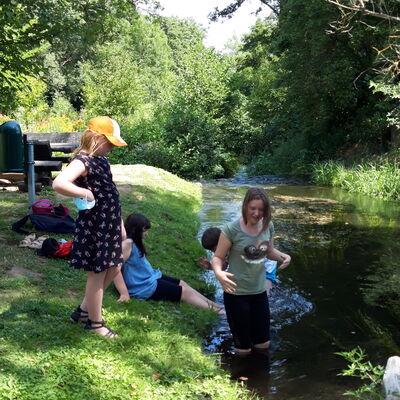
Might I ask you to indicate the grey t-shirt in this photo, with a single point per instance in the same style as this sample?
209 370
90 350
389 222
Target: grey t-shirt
246 257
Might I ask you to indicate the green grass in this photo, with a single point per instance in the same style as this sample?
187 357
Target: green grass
158 354
379 179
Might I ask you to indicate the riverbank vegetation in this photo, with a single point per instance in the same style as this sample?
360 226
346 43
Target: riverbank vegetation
309 84
379 179
158 353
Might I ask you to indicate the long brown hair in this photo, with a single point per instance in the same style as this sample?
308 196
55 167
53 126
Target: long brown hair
255 193
134 225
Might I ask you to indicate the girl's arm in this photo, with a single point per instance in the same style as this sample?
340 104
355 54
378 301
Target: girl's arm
119 279
121 287
64 182
275 254
217 263
126 248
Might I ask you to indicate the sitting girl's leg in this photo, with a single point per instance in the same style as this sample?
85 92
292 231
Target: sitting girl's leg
192 296
167 289
172 289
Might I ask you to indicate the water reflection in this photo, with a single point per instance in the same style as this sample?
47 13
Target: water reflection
342 246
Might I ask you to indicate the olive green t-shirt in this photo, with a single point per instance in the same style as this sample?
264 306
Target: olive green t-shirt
246 257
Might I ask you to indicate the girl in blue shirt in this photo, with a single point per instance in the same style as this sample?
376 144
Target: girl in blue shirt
140 280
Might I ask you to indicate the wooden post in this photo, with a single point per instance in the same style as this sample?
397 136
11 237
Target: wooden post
391 378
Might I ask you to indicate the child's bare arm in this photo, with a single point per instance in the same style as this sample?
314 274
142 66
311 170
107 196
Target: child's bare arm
275 254
64 182
119 279
121 287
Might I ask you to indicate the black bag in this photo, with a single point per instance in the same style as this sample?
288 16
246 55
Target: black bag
47 223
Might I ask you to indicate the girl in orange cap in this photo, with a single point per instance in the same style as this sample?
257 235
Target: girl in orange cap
97 246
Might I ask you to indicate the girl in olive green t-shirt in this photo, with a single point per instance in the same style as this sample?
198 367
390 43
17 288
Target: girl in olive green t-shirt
247 241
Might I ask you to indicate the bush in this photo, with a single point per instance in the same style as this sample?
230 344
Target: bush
289 158
155 154
190 134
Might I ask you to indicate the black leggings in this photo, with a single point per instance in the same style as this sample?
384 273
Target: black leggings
248 317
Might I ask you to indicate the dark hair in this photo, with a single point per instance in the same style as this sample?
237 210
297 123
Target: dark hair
255 193
210 237
135 224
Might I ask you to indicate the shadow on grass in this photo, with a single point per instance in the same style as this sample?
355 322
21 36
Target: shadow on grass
158 341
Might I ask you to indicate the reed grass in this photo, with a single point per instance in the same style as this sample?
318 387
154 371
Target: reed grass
377 179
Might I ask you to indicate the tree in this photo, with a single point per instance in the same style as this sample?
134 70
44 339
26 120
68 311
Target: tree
378 9
229 10
372 13
65 28
382 16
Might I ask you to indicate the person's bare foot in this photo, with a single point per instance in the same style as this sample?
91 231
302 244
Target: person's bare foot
218 308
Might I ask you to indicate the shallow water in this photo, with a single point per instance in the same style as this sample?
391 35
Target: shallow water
336 240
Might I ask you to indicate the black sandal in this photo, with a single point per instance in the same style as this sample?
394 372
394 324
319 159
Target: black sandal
93 325
79 315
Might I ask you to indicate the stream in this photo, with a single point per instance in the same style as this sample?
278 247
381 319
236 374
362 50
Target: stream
327 300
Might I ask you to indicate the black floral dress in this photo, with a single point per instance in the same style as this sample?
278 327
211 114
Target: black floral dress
97 243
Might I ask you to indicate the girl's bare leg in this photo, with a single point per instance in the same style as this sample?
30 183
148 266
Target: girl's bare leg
94 299
110 274
193 297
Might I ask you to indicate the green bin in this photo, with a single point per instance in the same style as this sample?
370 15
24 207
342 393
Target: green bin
11 147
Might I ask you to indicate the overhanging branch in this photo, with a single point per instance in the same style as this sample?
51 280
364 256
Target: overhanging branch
362 8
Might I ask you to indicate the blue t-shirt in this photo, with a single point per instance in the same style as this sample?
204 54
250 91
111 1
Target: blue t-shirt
270 269
139 276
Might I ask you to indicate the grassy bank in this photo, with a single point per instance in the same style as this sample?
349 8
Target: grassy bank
377 178
158 354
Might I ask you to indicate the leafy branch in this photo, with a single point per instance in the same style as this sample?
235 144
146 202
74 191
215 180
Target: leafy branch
360 368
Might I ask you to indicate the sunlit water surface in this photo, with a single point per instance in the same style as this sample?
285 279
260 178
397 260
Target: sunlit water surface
336 240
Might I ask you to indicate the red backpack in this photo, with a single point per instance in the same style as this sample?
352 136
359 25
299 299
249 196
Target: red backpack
64 249
52 248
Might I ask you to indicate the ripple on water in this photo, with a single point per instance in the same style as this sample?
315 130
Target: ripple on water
287 306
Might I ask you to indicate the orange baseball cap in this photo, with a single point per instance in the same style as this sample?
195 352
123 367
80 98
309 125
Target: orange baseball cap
109 128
